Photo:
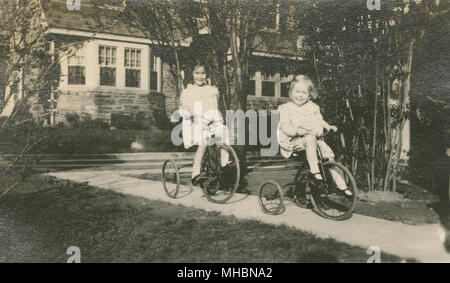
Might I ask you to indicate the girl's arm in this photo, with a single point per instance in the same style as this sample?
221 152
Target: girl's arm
324 124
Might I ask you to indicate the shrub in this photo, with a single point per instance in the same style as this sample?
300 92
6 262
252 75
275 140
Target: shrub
88 123
161 119
429 141
73 120
64 140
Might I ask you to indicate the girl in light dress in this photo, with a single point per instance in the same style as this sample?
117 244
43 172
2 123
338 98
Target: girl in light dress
301 123
199 105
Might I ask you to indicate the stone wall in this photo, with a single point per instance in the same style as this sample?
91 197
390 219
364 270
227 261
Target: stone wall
102 103
169 89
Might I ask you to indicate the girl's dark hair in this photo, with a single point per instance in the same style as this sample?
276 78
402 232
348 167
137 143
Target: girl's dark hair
189 70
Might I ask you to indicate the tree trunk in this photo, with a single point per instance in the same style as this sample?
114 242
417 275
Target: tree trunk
13 93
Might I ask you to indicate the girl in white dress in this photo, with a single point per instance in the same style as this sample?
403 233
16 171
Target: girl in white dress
301 124
199 103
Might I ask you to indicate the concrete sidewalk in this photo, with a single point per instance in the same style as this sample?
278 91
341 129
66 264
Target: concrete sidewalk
407 241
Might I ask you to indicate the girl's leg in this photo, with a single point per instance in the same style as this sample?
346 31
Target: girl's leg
222 137
338 177
311 155
198 159
336 173
224 157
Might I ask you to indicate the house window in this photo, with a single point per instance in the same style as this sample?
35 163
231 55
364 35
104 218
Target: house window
268 85
271 19
252 85
154 72
285 89
77 75
285 85
132 67
76 68
107 62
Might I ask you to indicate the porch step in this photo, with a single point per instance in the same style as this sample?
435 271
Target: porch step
140 161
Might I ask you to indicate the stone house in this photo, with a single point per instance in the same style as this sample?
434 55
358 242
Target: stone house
110 68
114 70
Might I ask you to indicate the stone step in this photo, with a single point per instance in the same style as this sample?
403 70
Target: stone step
140 161
123 156
149 168
147 158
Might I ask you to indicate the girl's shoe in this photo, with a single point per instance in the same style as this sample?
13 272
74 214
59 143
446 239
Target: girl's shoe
346 192
317 184
313 176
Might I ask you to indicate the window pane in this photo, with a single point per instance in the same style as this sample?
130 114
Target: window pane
108 56
251 87
285 89
113 56
107 76
127 57
101 55
133 78
77 75
138 58
268 88
153 80
153 63
133 58
75 57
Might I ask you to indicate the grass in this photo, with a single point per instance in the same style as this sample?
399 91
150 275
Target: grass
41 218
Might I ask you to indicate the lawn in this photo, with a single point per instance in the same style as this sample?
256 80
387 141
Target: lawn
41 218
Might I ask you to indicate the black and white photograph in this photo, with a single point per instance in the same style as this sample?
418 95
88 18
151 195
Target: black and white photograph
223 132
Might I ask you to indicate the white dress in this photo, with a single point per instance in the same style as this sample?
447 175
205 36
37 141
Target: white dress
201 103
307 117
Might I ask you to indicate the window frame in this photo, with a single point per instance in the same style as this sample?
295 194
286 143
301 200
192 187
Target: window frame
133 65
277 78
270 79
155 67
81 76
92 67
79 57
285 80
112 66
